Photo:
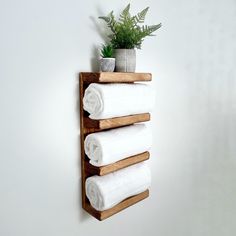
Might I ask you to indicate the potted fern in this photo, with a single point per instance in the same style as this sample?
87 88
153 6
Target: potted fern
107 62
127 34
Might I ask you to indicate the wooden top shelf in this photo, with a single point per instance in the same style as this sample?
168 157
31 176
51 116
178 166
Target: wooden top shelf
115 77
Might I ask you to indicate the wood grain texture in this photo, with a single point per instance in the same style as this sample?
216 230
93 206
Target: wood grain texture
103 170
115 77
98 125
87 126
83 174
101 215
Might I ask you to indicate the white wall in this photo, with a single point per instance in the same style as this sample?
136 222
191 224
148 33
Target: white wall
44 44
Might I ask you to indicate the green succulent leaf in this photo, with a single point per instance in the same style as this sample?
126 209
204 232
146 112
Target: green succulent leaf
107 50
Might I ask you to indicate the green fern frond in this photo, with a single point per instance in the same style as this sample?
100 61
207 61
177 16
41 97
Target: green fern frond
148 30
140 17
105 18
125 13
127 31
110 20
153 28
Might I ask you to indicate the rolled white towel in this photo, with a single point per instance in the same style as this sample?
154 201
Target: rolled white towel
106 191
103 148
113 100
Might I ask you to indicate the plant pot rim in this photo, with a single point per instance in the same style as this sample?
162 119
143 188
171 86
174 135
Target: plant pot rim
125 49
110 58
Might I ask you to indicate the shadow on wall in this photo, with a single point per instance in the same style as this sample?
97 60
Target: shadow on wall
102 32
95 67
95 58
83 215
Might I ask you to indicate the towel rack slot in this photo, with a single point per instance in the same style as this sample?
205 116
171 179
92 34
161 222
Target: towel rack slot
98 125
101 215
103 170
88 125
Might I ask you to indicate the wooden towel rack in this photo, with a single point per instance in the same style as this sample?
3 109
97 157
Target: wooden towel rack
88 125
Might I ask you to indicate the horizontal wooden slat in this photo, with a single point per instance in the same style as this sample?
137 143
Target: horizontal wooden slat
115 77
103 170
101 215
98 125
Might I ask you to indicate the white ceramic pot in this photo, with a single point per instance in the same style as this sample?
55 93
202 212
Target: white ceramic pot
125 60
107 64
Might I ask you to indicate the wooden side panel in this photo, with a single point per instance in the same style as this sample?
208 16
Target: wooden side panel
83 175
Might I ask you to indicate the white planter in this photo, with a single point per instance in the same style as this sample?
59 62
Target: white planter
107 64
125 60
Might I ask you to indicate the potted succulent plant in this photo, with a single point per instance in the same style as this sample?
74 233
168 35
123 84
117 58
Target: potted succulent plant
128 33
107 62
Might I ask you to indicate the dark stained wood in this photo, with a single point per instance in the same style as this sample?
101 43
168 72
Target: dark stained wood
83 174
103 170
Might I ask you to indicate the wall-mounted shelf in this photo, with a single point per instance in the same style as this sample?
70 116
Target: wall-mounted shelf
103 170
115 77
99 125
88 125
102 215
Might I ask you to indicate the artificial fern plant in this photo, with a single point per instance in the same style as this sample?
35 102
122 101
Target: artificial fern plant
128 31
